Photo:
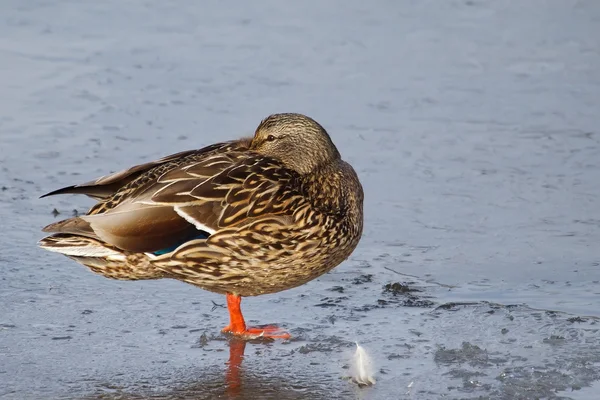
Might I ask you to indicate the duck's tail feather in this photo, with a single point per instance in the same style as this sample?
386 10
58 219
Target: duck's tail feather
101 258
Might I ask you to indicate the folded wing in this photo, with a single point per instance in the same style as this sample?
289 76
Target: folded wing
167 202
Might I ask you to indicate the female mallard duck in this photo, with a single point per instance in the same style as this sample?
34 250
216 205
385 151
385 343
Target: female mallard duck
242 218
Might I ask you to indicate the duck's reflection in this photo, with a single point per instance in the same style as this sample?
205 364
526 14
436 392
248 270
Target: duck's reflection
233 378
280 373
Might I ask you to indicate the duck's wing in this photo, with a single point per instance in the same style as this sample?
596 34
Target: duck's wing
124 219
173 203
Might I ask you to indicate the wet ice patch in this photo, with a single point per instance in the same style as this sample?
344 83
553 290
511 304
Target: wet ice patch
362 367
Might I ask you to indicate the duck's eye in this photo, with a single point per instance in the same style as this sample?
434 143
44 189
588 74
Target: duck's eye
270 138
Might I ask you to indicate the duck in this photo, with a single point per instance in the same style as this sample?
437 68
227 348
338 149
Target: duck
246 217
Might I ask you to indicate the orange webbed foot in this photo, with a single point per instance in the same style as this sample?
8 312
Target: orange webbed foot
237 326
268 331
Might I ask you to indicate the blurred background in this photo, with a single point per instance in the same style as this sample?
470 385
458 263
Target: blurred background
473 125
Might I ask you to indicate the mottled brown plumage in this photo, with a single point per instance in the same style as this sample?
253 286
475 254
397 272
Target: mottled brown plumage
274 212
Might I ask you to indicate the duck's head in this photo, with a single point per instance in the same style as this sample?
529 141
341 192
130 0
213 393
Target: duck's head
296 140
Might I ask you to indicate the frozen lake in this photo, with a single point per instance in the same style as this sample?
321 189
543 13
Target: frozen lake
472 124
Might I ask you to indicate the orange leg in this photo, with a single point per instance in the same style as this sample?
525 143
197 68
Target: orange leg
237 325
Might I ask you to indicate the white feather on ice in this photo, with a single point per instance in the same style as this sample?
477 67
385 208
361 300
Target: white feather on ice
362 367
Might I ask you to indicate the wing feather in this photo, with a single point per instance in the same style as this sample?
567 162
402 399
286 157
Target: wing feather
251 187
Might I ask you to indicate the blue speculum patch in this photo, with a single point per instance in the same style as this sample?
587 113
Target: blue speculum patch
199 235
